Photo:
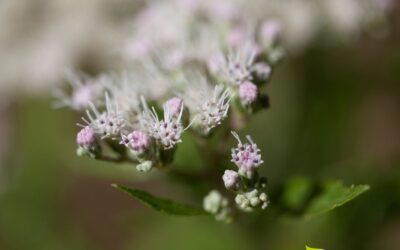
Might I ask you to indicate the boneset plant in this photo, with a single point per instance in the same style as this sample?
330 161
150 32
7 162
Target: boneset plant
207 86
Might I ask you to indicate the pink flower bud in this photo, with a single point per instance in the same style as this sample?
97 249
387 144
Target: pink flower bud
248 92
86 138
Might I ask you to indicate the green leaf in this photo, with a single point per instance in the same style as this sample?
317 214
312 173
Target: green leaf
334 194
301 197
161 204
311 248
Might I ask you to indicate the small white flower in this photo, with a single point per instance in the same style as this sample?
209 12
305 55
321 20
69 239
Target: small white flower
207 105
215 109
246 156
167 131
238 65
108 124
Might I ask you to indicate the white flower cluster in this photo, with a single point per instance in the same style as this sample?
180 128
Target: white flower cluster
188 99
174 86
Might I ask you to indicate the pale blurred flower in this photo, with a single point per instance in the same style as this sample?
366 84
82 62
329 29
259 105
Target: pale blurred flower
174 105
271 32
262 71
84 90
217 205
42 42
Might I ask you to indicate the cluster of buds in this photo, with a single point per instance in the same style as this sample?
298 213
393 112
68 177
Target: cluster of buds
247 201
248 186
218 205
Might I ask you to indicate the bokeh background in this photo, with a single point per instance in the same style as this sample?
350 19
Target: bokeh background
335 114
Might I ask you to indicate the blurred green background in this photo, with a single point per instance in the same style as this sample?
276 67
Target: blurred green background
335 114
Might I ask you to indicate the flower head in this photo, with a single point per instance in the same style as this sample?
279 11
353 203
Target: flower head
238 65
208 104
109 123
246 156
215 109
167 131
